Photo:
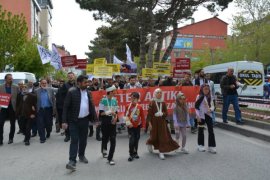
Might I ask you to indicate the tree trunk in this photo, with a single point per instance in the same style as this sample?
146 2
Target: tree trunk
142 60
159 45
170 47
149 63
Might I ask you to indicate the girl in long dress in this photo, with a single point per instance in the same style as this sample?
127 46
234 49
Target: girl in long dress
160 136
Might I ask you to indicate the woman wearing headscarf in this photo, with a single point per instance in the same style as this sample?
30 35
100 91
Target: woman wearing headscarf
160 136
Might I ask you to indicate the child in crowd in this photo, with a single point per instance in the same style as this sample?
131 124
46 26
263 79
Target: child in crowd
181 120
204 105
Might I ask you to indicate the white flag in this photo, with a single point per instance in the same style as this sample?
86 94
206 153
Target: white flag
45 54
116 60
56 59
129 58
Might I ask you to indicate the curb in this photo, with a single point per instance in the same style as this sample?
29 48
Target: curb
251 128
250 122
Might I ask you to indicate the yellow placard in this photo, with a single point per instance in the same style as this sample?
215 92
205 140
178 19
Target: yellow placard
116 67
103 72
162 68
90 69
149 73
100 61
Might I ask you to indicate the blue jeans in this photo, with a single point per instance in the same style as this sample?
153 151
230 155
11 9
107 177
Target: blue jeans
227 100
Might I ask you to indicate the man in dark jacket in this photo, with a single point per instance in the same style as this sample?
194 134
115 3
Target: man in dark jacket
71 83
78 110
26 110
229 86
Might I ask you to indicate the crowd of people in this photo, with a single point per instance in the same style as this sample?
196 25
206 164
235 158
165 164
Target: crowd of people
34 106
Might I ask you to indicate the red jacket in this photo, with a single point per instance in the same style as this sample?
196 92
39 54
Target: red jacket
139 113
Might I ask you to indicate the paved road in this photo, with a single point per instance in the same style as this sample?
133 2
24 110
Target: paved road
238 157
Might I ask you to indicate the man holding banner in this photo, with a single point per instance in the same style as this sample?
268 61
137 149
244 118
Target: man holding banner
10 92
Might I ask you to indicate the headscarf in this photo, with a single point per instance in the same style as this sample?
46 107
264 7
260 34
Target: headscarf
181 110
155 95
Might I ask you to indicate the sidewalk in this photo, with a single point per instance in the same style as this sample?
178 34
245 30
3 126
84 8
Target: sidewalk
251 128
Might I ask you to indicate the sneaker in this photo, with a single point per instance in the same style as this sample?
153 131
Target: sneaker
27 143
161 156
111 162
201 148
10 141
136 156
71 165
34 135
42 141
48 135
130 158
184 150
150 148
83 159
212 150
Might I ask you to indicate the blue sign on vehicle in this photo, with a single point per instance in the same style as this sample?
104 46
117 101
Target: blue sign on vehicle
183 43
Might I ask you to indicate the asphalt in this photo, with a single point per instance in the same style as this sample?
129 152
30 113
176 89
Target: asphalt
238 157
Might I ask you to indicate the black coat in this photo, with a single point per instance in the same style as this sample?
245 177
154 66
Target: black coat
72 104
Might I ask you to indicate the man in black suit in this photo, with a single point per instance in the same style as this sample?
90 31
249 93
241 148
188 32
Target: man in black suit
78 110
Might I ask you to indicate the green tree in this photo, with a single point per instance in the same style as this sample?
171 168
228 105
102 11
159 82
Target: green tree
251 31
151 18
13 34
28 60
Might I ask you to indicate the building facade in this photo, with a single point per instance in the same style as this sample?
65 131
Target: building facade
37 15
208 34
45 21
30 10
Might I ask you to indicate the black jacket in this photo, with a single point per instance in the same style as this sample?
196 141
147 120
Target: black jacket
225 84
72 104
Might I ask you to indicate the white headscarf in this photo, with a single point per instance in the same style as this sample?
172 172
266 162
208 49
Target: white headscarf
155 95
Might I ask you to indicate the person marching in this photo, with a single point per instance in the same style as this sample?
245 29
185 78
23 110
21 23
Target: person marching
181 120
204 105
78 110
108 107
160 136
135 120
26 110
8 113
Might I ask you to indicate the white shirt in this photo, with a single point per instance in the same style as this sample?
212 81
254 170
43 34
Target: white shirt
84 107
203 109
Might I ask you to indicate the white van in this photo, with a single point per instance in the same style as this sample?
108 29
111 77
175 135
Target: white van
18 77
247 72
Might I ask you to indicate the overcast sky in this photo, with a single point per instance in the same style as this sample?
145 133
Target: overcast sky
74 28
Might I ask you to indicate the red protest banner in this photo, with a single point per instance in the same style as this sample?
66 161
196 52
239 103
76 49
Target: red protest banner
69 61
4 100
182 63
146 95
81 64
